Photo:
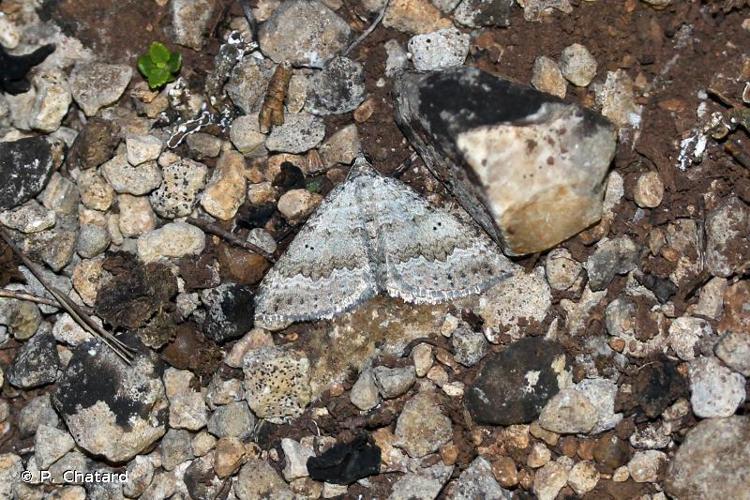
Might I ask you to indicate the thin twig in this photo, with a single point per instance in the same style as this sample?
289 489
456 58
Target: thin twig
229 237
12 294
369 30
122 350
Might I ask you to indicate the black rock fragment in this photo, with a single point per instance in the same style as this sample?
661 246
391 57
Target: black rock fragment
346 463
94 145
513 386
663 288
13 69
290 177
230 315
36 363
25 167
657 385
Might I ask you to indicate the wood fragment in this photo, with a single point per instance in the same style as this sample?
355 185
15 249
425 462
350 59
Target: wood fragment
12 294
736 151
229 237
125 352
272 111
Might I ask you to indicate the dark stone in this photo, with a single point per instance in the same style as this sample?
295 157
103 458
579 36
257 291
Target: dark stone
230 315
657 385
13 69
199 272
101 377
252 216
346 463
290 177
25 167
201 481
611 452
190 350
94 145
613 257
130 299
478 13
36 362
339 88
503 392
663 288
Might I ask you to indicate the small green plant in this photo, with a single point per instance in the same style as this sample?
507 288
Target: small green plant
159 65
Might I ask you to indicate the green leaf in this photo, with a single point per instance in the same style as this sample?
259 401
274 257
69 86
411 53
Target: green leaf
159 52
158 78
175 62
146 65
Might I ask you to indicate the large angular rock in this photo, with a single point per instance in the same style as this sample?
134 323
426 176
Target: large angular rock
112 409
513 386
25 168
96 85
727 244
304 33
713 461
190 21
530 169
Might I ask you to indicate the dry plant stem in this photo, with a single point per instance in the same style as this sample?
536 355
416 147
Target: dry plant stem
229 237
369 30
10 294
122 350
272 111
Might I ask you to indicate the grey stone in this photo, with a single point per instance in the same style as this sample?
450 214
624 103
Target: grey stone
51 102
304 33
469 347
397 59
577 64
569 412
299 133
550 479
477 481
246 135
96 193
257 479
734 350
527 200
25 167
393 382
187 408
277 383
727 244
37 412
205 145
30 217
60 195
125 178
232 420
338 88
176 448
424 484
713 461
92 240
422 428
513 386
140 473
601 393
247 84
21 317
95 85
190 21
142 148
175 239
110 408
478 13
715 391
11 467
686 334
296 455
178 193
50 444
561 269
364 394
36 363
439 50
611 257
645 466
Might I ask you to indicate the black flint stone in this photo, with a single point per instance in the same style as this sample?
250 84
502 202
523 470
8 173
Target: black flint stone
231 314
513 386
346 463
25 168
